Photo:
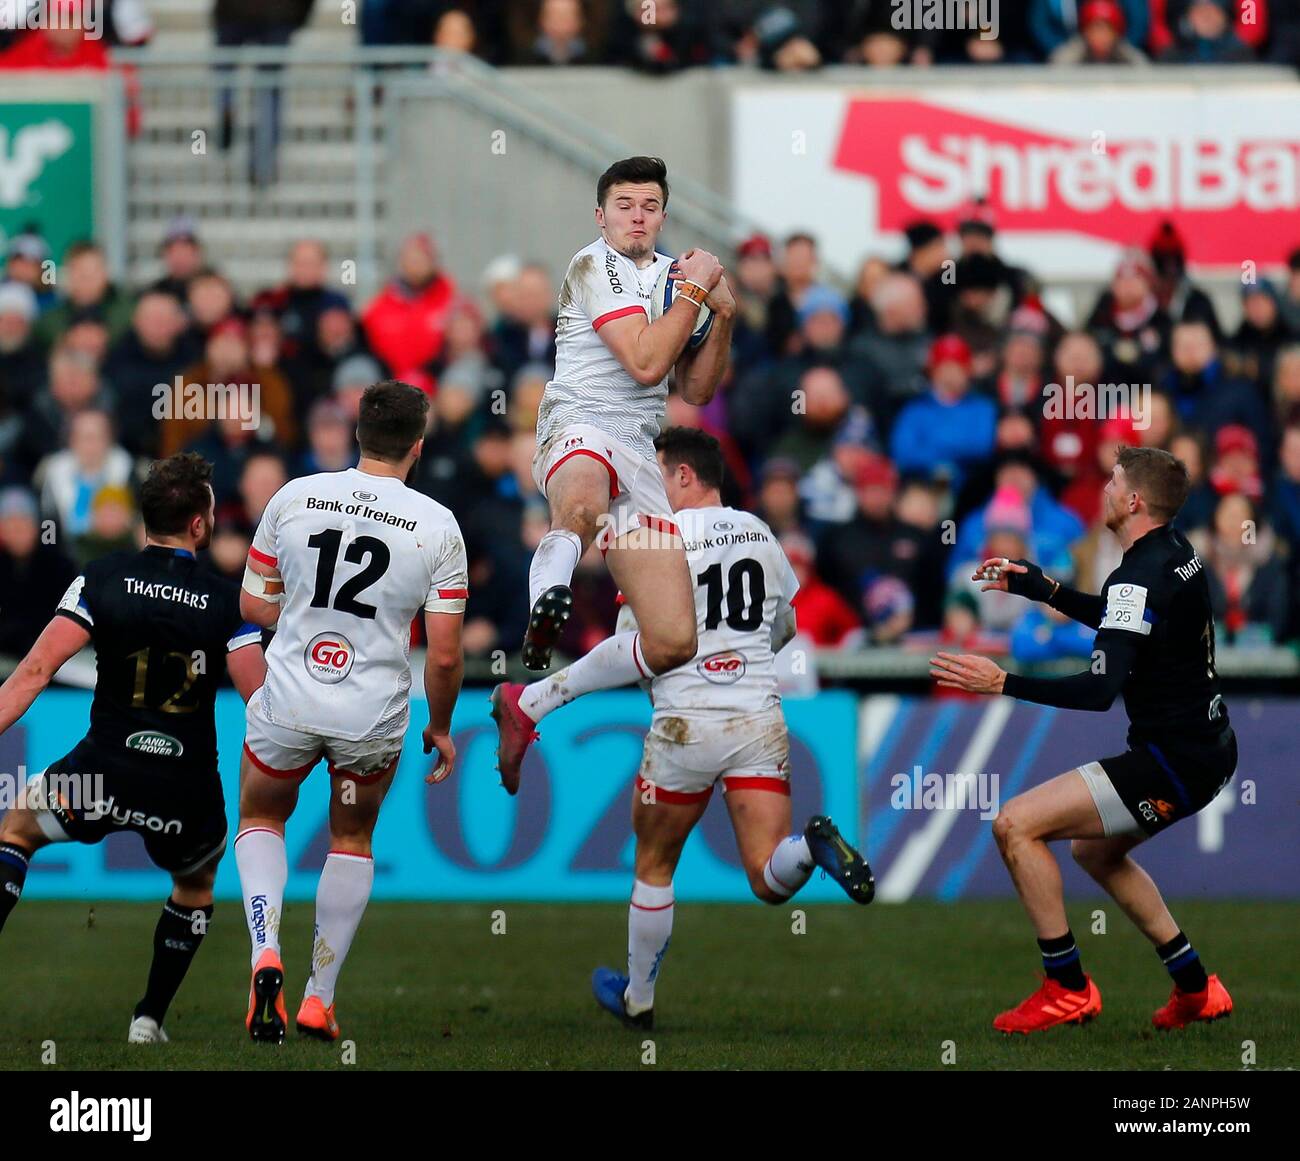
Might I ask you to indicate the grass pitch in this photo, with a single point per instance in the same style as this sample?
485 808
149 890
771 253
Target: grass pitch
429 986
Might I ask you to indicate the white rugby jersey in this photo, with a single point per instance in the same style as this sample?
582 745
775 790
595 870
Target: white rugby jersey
590 384
360 555
742 579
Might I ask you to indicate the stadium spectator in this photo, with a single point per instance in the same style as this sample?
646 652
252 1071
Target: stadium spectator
945 431
1178 298
463 359
406 320
74 385
1247 576
1204 33
800 268
871 274
22 365
60 46
1053 22
980 312
1161 422
331 440
959 631
1283 32
524 331
1083 494
311 369
872 38
182 257
558 32
34 573
896 349
71 479
86 289
1203 393
1044 635
304 296
267 23
927 252
1019 380
209 300
1128 321
1069 441
155 350
782 41
1007 530
114 526
755 286
1198 509
1253 349
977 235
1236 463
25 261
227 362
1251 21
778 502
1099 38
351 377
1053 528
820 612
676 36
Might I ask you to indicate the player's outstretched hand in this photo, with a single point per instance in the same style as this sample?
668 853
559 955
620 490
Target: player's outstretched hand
700 267
994 571
446 754
967 671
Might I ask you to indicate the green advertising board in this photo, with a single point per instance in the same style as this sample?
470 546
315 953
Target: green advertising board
47 171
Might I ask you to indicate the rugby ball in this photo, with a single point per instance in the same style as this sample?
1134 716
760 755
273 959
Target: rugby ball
663 299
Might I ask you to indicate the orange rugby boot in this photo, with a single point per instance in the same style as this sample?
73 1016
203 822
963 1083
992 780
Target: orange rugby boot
267 1018
316 1020
1051 1005
1211 1003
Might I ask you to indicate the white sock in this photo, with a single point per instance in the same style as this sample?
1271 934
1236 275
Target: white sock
790 866
649 930
263 870
341 899
556 557
616 661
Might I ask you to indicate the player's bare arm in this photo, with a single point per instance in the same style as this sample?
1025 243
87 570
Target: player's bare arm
648 351
61 640
698 372
263 590
247 669
444 666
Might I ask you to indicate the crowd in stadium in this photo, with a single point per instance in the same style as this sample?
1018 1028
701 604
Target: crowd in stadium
859 426
892 435
786 35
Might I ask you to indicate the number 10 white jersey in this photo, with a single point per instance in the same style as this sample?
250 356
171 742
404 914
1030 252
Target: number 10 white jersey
360 556
742 580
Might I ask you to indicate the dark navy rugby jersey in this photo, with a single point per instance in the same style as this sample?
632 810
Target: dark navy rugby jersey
161 625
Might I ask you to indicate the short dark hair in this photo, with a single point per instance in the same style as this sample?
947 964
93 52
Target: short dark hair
698 450
176 490
638 170
1159 478
392 417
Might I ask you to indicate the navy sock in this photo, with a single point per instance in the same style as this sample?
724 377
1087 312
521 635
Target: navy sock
1182 962
13 873
1061 961
176 939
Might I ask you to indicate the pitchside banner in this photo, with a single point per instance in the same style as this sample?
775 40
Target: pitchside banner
47 170
1072 172
920 780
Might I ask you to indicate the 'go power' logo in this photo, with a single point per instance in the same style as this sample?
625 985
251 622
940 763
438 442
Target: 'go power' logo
328 657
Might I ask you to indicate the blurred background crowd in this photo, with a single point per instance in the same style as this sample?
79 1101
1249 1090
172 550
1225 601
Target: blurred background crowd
893 432
663 36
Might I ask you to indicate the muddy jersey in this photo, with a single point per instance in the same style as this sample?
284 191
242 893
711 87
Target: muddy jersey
360 556
590 384
742 580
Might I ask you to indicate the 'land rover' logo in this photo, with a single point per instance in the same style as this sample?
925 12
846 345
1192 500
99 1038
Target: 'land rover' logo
158 744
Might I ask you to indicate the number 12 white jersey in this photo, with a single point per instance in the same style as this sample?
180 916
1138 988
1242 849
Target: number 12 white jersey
360 556
742 580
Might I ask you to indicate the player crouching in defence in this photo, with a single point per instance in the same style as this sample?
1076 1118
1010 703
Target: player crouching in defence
596 425
1154 644
710 728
